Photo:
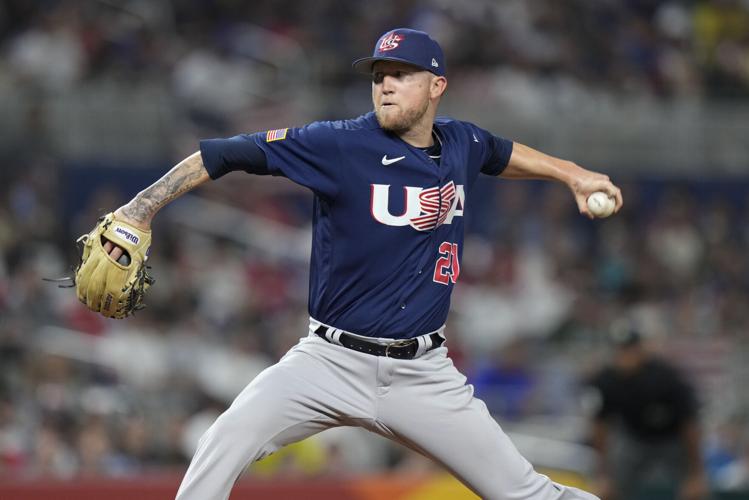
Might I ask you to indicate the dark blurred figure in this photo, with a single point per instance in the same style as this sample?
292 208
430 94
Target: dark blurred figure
645 427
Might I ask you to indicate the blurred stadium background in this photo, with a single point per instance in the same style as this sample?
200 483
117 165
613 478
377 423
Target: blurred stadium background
99 98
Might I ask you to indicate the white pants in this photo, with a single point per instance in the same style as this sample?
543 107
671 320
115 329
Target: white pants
422 403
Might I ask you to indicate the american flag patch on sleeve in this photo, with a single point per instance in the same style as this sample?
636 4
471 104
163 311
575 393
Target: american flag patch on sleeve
276 135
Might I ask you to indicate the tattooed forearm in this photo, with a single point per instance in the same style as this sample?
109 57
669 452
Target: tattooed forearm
186 175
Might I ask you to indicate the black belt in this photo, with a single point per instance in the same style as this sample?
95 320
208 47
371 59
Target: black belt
404 349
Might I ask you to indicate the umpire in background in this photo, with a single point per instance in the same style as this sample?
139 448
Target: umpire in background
645 428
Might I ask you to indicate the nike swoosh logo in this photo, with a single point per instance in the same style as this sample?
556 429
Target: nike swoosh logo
388 161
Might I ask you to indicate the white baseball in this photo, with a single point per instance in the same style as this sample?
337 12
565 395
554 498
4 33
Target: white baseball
600 204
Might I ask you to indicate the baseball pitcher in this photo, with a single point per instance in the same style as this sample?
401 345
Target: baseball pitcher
391 189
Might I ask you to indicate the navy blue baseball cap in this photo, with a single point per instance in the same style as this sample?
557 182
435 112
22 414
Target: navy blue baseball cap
407 46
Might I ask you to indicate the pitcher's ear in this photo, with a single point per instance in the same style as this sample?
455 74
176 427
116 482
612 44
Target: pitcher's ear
438 87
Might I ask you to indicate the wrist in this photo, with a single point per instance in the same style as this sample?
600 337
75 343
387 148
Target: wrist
569 173
137 218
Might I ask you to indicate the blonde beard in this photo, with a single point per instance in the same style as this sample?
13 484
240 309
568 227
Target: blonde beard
402 122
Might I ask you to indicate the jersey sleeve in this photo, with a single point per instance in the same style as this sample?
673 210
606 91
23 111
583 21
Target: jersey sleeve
306 155
495 151
221 156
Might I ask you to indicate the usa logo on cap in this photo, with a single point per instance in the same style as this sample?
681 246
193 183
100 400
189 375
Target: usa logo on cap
390 42
408 46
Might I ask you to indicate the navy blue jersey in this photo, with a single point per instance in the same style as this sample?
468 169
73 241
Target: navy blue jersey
387 222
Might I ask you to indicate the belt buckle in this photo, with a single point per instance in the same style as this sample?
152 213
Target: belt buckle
401 343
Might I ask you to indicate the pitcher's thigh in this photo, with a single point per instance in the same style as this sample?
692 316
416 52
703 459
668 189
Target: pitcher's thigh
440 418
275 409
280 406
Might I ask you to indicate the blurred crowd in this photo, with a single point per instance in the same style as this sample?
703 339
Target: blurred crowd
662 46
222 56
81 395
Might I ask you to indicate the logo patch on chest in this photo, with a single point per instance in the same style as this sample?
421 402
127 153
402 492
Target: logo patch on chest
388 161
425 208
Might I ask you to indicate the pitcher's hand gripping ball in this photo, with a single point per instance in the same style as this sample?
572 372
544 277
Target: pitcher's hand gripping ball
107 286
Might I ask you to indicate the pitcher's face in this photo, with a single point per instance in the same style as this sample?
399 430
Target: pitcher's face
400 94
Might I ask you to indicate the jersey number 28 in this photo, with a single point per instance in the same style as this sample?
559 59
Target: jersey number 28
447 268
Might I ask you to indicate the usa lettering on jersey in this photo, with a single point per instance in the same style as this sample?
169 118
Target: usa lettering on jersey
425 208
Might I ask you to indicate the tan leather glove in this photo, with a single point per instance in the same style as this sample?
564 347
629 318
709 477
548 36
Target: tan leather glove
106 286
